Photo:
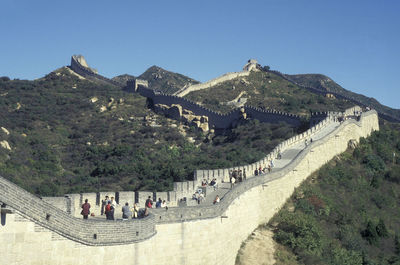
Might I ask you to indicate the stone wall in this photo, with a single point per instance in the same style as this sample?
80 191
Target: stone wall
89 73
189 235
213 82
89 232
215 119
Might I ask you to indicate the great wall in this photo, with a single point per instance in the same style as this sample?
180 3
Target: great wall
51 231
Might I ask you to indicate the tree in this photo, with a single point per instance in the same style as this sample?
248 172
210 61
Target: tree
381 229
370 233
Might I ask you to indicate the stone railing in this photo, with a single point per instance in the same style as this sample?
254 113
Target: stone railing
89 232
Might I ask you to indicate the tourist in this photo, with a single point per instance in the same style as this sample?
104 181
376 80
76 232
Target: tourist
103 204
164 205
194 196
113 203
149 203
244 174
158 203
233 180
200 198
256 172
112 209
240 175
204 183
213 183
216 200
85 209
135 211
126 212
269 168
107 211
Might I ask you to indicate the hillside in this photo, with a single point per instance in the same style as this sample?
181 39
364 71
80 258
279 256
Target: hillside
324 83
347 212
165 81
265 90
70 135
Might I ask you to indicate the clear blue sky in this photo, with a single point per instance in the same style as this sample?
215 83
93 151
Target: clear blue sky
356 43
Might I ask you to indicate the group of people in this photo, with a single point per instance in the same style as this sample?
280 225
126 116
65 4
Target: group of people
159 203
263 170
108 207
213 183
237 175
198 196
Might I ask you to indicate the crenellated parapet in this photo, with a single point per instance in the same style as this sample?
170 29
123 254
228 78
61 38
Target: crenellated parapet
89 232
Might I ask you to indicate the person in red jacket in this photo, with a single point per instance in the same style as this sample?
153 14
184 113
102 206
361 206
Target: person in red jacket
85 209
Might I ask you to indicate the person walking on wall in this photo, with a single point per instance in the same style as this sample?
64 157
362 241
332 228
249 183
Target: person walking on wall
85 209
104 204
149 203
107 210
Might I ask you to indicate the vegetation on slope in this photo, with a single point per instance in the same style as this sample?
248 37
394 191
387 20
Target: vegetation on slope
266 90
346 213
165 81
325 83
71 135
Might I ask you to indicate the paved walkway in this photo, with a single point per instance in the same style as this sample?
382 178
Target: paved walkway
287 156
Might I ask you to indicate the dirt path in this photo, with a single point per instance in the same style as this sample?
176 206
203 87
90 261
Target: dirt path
258 250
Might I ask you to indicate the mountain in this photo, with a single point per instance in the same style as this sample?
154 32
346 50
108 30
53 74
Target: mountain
325 83
165 81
